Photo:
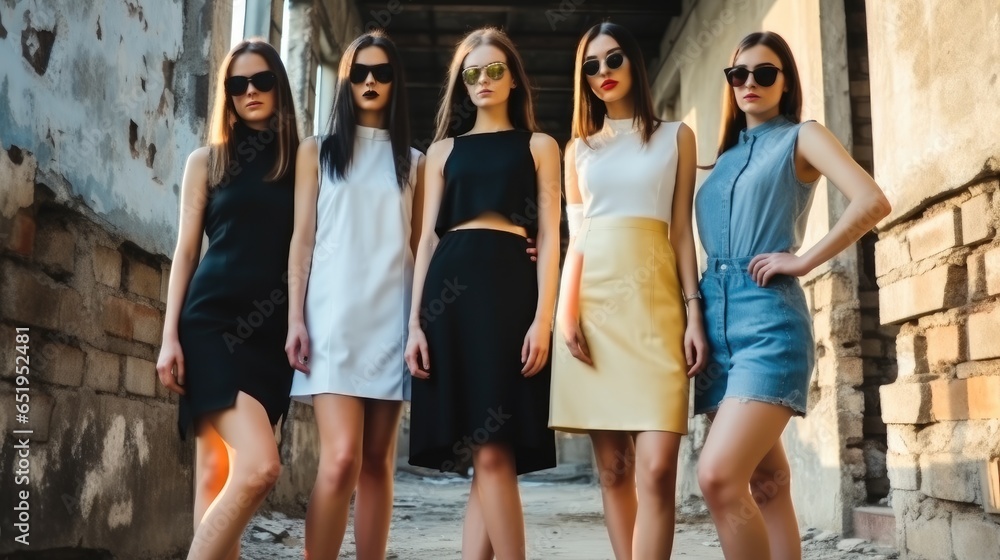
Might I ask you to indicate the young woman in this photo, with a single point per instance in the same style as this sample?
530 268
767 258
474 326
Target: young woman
226 317
622 375
480 323
357 216
751 213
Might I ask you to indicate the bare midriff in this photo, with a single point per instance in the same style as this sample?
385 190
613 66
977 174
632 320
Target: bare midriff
492 220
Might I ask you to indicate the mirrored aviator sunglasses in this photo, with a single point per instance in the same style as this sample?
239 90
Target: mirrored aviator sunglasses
263 81
764 76
381 72
494 71
614 61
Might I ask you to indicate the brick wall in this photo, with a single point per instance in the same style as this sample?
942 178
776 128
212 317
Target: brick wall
940 278
104 455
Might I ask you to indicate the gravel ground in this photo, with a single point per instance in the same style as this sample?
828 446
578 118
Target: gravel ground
562 515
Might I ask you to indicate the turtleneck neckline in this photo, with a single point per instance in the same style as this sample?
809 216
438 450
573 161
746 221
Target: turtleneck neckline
371 133
620 126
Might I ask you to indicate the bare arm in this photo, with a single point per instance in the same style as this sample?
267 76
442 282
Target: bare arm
417 212
868 205
194 199
818 151
681 232
573 265
300 252
682 240
304 234
433 191
569 300
546 153
416 355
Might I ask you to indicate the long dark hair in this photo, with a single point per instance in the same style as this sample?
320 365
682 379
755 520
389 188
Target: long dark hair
733 118
337 149
454 121
224 116
588 110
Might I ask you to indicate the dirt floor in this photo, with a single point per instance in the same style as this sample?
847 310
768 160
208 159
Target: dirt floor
562 515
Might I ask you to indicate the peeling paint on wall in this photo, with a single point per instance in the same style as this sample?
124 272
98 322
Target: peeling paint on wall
101 116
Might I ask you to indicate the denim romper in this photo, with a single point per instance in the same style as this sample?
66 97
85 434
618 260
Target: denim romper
761 340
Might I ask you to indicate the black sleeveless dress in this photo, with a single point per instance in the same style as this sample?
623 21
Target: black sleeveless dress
478 302
235 317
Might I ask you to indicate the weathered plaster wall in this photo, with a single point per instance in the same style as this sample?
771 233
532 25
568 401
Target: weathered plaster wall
827 470
934 117
109 97
936 98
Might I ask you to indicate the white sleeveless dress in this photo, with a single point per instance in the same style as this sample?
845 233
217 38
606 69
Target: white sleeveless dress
358 297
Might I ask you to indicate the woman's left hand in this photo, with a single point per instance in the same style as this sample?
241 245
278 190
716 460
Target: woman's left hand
695 342
535 350
765 266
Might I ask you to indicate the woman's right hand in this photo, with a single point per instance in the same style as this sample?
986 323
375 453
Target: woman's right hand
575 341
170 366
416 355
297 347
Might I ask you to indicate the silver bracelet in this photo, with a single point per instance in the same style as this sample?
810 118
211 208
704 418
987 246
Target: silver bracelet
695 295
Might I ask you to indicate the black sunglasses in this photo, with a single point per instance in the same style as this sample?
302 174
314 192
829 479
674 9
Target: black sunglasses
494 71
381 72
613 60
764 75
263 81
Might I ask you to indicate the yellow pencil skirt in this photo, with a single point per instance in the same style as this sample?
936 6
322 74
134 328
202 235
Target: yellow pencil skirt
632 316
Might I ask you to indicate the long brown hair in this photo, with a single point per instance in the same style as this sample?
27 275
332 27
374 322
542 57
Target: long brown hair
588 110
733 118
224 116
337 149
452 120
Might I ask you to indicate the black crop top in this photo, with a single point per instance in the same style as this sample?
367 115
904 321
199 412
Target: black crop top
490 172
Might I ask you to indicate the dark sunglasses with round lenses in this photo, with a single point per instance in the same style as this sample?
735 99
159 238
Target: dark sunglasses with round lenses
494 71
614 61
764 75
263 81
381 72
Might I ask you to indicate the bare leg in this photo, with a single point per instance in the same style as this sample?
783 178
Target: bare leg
373 504
340 420
254 468
770 485
475 541
496 480
741 435
656 478
211 471
615 454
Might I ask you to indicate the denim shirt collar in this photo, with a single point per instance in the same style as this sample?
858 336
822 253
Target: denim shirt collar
763 128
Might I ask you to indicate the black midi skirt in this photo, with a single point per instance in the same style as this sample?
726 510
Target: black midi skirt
479 300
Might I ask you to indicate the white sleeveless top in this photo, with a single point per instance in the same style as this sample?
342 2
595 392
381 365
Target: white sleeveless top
358 298
619 176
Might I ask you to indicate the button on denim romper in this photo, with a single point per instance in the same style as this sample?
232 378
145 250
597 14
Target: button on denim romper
761 341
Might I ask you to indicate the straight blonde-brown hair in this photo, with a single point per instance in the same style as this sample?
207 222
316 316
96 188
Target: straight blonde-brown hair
224 117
